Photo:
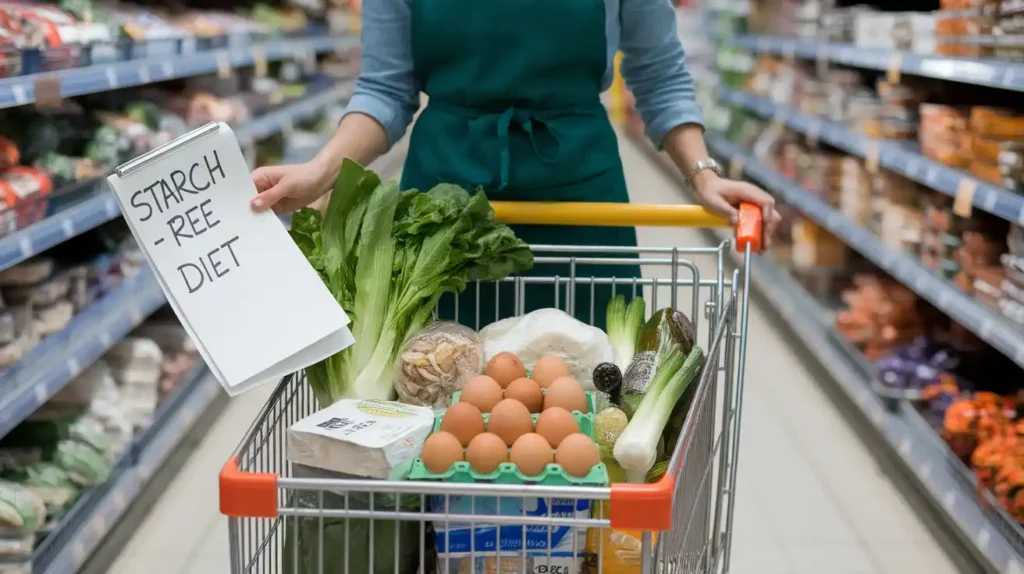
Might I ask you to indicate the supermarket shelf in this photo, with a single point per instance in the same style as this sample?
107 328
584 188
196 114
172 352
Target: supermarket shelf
21 90
979 319
948 484
101 207
60 357
977 71
283 118
926 457
76 219
129 481
898 157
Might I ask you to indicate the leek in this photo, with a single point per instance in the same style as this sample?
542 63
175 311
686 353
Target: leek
637 447
623 323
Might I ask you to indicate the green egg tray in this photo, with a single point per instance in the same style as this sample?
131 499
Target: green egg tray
508 473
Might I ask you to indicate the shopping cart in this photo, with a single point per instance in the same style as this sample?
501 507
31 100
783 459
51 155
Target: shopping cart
286 519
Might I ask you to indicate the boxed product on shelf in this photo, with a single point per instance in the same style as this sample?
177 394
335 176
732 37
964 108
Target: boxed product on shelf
880 315
944 135
814 246
137 366
96 393
906 31
37 25
22 515
180 355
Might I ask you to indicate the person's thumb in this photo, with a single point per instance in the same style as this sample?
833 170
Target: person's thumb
265 177
267 198
718 204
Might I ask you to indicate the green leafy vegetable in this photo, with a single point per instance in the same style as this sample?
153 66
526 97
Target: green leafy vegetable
388 256
623 324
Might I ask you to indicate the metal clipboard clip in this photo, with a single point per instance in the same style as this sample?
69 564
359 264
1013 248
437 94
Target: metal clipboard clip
169 147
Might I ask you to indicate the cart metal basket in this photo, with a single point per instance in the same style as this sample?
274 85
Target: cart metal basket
288 519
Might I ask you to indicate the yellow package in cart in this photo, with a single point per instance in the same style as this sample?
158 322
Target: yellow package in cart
612 551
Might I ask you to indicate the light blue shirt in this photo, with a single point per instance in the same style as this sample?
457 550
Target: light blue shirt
653 65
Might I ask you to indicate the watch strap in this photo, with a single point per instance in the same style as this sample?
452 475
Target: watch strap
700 166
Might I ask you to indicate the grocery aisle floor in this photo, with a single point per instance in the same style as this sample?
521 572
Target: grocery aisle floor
811 499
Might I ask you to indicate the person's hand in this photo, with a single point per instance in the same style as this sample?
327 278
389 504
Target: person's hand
286 188
723 197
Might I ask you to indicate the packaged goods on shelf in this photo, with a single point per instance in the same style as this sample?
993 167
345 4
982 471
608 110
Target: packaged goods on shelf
37 26
180 355
906 216
880 314
905 31
814 246
42 295
136 364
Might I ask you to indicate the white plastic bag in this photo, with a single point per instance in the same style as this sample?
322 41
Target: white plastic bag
551 332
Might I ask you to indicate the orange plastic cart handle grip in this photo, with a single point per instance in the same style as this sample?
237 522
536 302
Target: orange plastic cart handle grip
643 506
748 228
247 494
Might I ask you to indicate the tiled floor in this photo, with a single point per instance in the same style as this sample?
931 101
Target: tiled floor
811 499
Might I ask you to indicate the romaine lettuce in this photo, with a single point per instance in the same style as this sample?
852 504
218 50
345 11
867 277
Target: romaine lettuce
388 256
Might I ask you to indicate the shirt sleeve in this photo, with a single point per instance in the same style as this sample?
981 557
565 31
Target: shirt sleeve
386 89
654 67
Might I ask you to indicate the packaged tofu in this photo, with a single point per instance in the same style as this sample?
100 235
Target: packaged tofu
365 438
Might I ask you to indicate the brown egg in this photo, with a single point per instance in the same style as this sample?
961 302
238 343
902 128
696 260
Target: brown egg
547 369
505 368
526 391
565 392
440 451
577 454
464 421
485 452
510 420
555 424
531 453
483 392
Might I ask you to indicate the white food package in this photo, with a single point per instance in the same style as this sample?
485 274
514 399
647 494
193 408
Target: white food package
551 332
366 438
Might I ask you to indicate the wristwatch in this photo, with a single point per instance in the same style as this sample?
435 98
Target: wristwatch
700 166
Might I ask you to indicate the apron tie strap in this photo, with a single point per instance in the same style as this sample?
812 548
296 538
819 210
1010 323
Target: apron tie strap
525 121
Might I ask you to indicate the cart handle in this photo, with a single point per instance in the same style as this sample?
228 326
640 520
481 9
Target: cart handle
748 228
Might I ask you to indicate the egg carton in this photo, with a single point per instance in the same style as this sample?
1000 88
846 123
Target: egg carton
508 473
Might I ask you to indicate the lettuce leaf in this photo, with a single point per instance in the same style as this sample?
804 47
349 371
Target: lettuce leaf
388 256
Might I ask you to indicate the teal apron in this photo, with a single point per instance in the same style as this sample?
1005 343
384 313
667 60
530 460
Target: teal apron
514 107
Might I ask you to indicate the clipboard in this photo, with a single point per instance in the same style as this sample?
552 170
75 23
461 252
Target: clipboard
254 306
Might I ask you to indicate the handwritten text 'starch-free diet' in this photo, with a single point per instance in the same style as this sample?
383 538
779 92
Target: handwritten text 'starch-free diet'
240 286
183 200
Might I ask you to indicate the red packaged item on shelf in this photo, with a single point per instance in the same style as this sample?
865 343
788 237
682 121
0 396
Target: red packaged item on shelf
24 191
10 156
37 26
972 421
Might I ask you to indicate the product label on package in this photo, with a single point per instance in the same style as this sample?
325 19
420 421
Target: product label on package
370 424
548 549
